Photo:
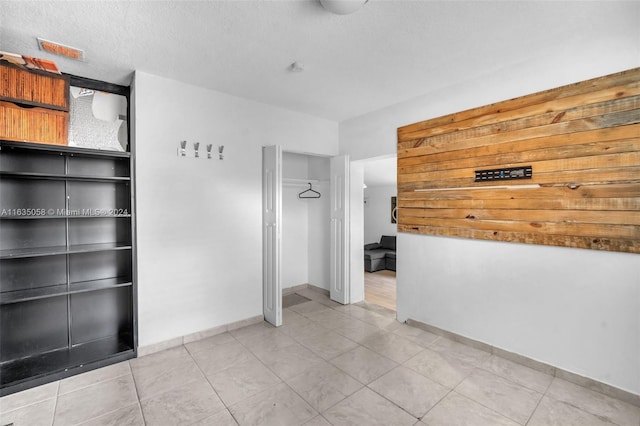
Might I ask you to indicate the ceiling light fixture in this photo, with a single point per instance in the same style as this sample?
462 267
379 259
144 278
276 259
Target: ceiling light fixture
296 67
342 7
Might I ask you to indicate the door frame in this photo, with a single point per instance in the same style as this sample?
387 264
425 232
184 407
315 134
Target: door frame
272 234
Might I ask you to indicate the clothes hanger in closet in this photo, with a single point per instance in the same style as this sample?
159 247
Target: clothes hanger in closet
309 193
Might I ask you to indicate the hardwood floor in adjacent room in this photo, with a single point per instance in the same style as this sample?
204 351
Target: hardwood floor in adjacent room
380 288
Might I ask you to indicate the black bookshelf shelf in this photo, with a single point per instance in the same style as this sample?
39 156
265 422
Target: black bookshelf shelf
68 216
62 290
58 250
62 362
52 176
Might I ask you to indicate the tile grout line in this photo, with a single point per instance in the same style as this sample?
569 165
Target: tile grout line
483 405
328 361
301 397
535 409
479 367
55 404
211 384
557 372
109 412
112 411
387 399
35 402
95 383
543 394
281 379
434 405
367 385
135 386
514 382
340 370
228 408
363 346
570 404
354 378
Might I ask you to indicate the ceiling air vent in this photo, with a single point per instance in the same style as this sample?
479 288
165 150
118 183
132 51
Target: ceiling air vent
60 49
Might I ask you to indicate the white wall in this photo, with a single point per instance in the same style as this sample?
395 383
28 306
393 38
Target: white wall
295 223
319 242
295 238
377 212
375 134
572 308
199 221
576 309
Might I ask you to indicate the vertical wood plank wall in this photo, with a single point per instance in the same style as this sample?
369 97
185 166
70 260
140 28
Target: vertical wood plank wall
583 143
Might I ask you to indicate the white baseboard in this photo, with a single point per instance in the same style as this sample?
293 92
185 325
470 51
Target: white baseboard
199 335
296 288
586 382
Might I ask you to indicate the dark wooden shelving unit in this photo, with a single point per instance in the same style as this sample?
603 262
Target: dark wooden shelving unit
67 261
64 177
56 250
62 290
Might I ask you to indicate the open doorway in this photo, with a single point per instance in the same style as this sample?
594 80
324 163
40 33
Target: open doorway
380 230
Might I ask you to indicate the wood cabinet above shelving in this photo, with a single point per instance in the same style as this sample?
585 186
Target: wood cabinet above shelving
34 88
34 106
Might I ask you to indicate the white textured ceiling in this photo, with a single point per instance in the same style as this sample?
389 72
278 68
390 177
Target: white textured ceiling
387 52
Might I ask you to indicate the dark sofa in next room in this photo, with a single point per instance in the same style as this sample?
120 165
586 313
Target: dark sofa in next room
382 255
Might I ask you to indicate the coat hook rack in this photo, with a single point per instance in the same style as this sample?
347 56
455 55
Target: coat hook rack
184 152
309 193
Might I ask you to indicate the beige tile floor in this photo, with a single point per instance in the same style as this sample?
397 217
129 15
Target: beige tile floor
327 365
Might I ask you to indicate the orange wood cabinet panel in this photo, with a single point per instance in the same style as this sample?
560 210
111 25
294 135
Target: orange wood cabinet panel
34 106
38 88
582 142
34 124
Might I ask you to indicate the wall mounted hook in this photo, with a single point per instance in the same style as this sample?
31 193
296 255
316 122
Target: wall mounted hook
220 149
196 146
183 148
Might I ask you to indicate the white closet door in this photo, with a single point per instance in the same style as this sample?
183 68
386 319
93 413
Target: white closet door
272 233
340 229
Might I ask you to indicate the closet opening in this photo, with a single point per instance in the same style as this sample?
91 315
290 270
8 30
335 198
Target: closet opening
306 216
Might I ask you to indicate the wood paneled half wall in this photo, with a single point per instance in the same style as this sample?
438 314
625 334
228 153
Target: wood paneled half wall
467 174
